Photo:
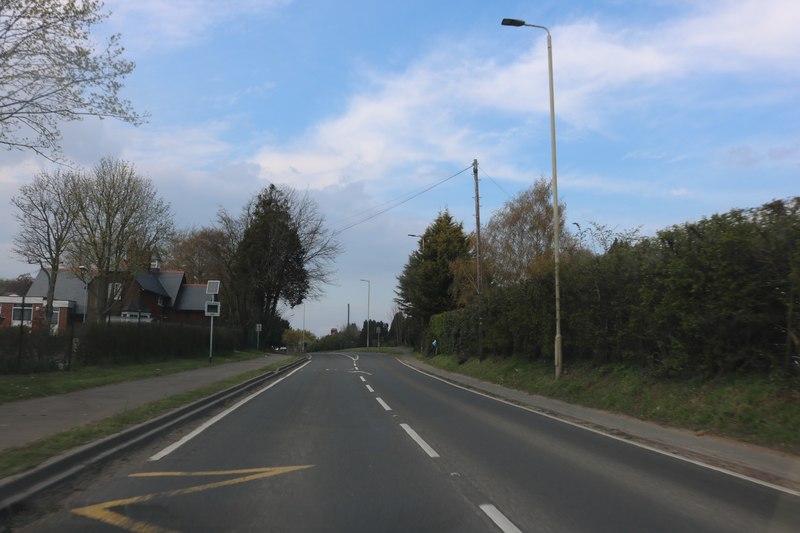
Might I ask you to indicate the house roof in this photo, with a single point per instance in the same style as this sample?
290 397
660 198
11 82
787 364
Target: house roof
68 287
192 298
150 283
172 283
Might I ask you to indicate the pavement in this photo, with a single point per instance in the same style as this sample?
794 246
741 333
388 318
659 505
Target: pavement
25 421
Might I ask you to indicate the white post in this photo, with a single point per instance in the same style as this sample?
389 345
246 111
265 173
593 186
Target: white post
556 219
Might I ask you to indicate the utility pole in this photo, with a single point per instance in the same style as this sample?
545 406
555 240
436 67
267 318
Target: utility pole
477 227
479 267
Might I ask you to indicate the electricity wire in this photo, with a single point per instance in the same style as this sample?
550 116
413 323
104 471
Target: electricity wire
368 215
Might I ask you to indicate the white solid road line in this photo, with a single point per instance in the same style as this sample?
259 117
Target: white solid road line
383 404
499 519
422 444
371 389
174 446
628 441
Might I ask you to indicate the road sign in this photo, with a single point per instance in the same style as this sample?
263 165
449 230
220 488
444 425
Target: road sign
213 308
258 327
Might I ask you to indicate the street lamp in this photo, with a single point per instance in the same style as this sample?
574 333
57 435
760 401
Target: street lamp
422 237
369 288
556 221
85 291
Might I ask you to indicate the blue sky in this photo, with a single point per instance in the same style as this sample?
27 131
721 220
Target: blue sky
667 111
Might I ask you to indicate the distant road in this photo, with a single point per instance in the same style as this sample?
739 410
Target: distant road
360 442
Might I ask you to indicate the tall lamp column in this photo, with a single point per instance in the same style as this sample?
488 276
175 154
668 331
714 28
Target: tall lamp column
556 218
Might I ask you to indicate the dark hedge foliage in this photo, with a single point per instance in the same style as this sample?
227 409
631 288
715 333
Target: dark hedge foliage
714 297
110 343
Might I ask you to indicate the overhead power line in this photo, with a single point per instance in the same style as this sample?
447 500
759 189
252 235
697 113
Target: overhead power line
368 215
483 171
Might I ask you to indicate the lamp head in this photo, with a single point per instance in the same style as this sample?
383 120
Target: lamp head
513 22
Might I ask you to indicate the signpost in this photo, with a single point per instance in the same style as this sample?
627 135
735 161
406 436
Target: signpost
212 309
258 336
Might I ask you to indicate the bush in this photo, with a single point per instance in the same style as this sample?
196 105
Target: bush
712 298
38 352
121 343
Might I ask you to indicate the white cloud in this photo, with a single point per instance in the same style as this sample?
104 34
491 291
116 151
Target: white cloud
425 113
732 34
163 24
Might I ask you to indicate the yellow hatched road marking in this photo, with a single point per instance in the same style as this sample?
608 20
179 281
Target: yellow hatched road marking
102 513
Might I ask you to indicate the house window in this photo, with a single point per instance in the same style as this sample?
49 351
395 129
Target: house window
160 301
128 316
115 291
54 318
17 312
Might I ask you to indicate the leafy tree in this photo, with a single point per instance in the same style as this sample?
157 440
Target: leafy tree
46 216
121 223
295 338
269 258
277 251
375 338
425 286
399 330
52 70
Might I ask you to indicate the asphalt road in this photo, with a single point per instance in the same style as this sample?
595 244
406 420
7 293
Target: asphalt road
363 443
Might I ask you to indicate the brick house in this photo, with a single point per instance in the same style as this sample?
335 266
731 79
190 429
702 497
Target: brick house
30 311
153 295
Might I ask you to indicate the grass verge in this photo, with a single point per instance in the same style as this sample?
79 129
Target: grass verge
15 387
15 460
753 409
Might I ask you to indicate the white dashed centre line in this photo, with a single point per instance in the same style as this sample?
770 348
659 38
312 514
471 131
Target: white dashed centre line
362 379
370 389
422 444
499 519
383 404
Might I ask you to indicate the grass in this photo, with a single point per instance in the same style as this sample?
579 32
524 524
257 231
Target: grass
374 349
15 387
15 460
753 409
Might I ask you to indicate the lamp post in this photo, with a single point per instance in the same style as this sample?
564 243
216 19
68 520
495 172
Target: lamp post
83 269
369 288
422 239
556 221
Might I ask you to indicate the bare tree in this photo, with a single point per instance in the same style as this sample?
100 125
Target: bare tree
46 217
194 251
518 240
51 70
320 246
18 285
121 222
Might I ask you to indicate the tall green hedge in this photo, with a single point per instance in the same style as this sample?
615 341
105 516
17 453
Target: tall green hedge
714 297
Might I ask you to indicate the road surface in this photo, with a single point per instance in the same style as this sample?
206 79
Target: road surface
360 442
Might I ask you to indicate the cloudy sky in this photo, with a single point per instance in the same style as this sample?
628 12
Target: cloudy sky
666 111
